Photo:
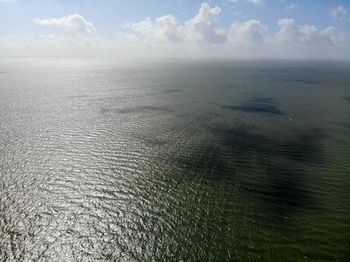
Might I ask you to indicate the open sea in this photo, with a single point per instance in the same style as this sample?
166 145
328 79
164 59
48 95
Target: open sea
174 160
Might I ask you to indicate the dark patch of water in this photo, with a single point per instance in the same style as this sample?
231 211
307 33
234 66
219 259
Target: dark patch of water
301 81
137 109
279 166
172 91
257 105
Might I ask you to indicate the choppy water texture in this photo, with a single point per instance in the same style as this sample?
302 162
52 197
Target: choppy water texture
174 160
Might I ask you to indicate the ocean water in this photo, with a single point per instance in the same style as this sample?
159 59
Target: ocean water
174 160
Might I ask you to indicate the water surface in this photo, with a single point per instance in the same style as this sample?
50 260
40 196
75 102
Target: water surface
174 160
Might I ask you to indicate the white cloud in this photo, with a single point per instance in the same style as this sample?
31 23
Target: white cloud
249 33
339 12
168 28
307 36
166 36
333 37
291 7
306 41
201 28
293 34
165 28
76 36
73 25
242 38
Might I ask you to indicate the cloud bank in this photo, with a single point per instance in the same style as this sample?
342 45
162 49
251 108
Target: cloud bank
200 36
253 37
201 28
72 25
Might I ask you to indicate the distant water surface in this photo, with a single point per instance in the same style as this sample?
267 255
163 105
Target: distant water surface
174 160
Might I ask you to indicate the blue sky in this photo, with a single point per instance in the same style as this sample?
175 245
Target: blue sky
110 18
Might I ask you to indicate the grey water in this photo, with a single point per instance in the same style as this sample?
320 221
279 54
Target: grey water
174 160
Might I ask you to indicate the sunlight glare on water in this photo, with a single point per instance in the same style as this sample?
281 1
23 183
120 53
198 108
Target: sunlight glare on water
178 160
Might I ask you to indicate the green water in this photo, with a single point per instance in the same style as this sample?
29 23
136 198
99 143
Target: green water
174 160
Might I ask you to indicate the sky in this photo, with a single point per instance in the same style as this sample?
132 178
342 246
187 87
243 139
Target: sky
315 29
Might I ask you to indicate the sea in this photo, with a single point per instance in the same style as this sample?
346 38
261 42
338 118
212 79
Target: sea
174 160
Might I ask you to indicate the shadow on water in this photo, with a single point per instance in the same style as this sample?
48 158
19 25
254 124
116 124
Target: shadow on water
206 160
234 86
170 91
301 81
304 147
270 170
278 165
346 126
258 105
347 98
274 70
137 109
